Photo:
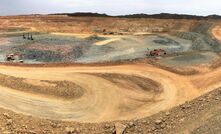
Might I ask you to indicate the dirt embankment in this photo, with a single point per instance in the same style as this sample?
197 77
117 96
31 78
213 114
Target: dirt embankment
134 82
58 89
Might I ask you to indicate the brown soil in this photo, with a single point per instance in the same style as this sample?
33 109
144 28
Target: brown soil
133 82
109 92
59 89
202 115
216 32
103 94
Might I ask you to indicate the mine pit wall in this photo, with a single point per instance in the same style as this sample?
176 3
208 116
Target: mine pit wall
107 25
97 24
201 37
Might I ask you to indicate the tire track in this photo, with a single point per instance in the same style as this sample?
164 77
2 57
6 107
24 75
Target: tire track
103 100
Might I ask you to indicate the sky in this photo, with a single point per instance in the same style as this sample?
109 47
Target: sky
111 7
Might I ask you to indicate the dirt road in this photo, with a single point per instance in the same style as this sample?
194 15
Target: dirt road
216 31
103 100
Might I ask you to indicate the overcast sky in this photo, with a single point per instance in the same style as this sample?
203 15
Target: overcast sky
111 7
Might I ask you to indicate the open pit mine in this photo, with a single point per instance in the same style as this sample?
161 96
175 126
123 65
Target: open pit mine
97 75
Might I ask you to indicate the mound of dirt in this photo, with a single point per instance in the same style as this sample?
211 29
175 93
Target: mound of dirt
133 82
58 89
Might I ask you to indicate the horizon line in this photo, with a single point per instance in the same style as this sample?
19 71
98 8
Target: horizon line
57 13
